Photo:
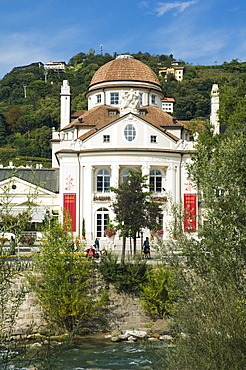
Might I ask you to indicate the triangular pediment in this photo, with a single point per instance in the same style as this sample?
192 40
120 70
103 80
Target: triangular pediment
15 185
147 135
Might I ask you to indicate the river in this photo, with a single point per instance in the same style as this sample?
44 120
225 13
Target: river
98 355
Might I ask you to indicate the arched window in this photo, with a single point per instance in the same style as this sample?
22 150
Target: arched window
103 181
102 217
155 180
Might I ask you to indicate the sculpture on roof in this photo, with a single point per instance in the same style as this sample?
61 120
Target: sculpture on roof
130 102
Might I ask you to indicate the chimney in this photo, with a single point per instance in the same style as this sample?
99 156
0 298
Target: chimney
214 118
65 104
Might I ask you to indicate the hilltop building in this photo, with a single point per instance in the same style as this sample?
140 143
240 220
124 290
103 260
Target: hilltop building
57 66
174 70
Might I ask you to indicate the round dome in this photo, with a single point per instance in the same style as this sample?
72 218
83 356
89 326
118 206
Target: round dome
125 68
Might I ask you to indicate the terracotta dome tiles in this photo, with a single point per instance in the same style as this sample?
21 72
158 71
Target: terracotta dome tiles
129 69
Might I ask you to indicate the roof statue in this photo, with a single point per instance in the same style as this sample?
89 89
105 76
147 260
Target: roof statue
130 102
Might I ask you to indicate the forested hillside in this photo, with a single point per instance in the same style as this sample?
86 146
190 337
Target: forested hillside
30 98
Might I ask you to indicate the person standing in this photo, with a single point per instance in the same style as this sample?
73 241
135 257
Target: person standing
97 244
12 246
146 248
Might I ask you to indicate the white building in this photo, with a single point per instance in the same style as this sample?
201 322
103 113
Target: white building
167 104
174 70
124 129
58 66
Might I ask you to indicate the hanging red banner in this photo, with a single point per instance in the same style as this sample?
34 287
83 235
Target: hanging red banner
69 203
190 207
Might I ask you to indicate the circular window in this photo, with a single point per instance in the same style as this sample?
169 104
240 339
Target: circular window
130 132
14 186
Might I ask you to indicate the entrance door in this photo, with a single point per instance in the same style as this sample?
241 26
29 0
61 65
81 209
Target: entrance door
102 216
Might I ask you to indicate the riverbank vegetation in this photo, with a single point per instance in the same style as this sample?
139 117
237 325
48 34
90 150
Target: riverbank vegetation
67 285
211 309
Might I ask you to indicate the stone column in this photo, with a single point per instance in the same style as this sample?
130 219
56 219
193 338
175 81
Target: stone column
171 181
114 179
87 199
145 168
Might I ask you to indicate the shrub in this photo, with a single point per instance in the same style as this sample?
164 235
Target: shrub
125 276
131 275
158 291
109 267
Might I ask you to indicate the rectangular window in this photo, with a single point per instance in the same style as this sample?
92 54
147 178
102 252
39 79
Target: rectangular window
100 183
106 138
99 98
114 98
153 99
153 138
112 112
152 183
158 184
99 225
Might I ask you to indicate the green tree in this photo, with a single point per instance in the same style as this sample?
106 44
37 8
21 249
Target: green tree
34 143
48 111
67 288
158 291
211 309
232 110
26 123
12 117
133 208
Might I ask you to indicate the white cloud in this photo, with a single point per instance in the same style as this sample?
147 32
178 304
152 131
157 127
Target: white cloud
203 47
179 6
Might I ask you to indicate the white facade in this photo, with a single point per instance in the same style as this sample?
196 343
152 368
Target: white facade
167 104
124 129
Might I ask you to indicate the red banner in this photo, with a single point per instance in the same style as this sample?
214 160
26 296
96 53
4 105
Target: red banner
190 206
69 203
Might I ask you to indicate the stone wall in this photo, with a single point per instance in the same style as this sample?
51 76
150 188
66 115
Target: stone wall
29 314
125 312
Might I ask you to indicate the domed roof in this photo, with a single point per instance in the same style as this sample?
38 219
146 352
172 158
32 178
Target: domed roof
125 68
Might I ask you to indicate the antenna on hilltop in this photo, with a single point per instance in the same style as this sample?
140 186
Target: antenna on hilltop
101 48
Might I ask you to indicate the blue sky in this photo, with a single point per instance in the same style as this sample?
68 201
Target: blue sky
197 31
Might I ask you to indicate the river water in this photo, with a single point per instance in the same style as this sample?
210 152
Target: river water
100 355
